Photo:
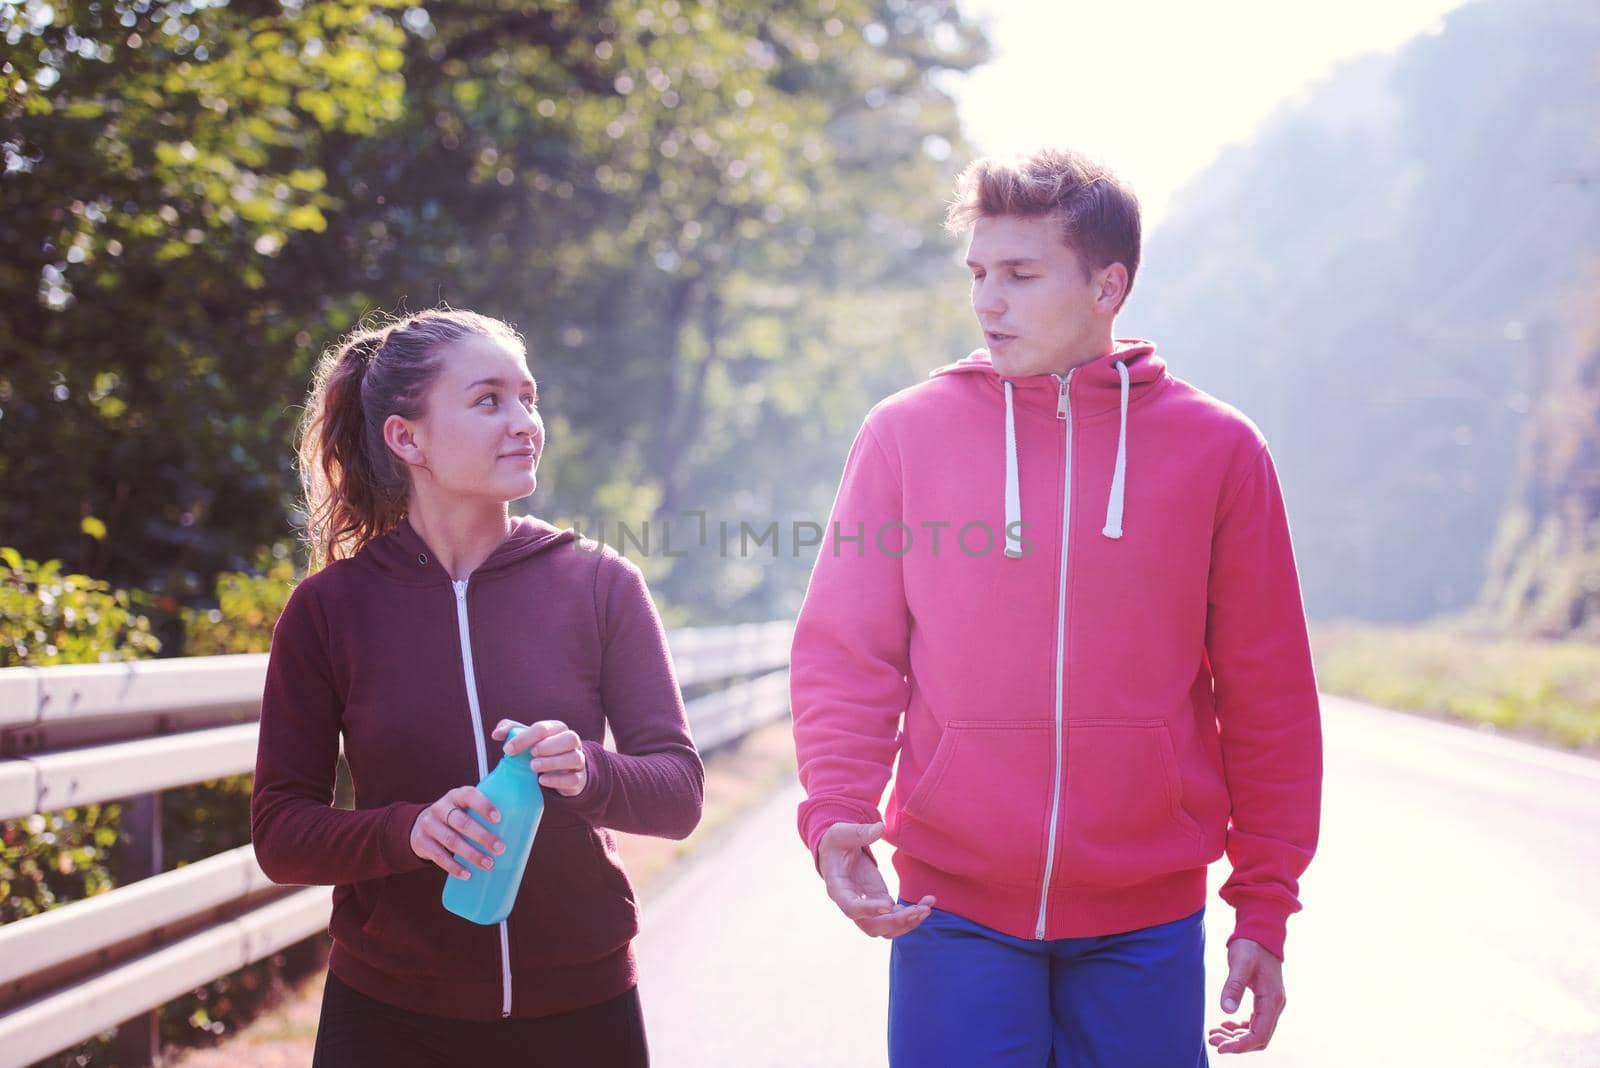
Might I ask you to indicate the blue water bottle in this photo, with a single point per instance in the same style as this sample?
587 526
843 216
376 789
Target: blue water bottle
513 788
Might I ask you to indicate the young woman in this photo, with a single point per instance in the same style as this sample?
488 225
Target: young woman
431 624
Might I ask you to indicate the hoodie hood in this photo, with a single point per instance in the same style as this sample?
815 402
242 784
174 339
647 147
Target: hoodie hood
402 555
1096 385
1107 383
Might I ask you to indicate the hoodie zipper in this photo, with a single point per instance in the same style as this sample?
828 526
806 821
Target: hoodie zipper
1063 413
482 754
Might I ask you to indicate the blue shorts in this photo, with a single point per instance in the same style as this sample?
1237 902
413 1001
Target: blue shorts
961 994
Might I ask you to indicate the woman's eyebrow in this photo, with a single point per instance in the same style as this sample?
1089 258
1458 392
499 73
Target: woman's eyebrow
500 382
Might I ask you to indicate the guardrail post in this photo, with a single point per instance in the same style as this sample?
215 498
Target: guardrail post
138 1041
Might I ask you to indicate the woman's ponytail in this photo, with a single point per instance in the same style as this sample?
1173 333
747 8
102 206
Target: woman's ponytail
344 498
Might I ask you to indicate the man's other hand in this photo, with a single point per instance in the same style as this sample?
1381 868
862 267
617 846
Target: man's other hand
844 859
1250 965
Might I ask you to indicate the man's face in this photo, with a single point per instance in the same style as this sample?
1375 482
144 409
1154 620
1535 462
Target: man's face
1038 312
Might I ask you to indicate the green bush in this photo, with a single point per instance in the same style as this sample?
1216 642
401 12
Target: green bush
247 607
52 858
50 618
46 617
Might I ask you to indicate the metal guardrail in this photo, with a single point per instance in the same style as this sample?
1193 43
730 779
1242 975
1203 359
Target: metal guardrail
72 735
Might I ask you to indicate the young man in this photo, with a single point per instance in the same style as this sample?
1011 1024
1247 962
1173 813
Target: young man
1058 585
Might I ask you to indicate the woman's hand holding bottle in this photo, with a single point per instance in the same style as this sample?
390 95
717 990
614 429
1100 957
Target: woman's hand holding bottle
443 830
558 754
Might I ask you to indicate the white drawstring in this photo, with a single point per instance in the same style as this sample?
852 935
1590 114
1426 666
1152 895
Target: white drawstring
1119 477
1113 527
1013 494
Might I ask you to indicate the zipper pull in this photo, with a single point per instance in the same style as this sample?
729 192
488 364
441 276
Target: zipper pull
1061 401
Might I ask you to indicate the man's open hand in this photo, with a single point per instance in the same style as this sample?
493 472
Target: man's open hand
1250 965
844 859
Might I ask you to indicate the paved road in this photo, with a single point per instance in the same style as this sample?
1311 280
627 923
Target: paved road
1452 917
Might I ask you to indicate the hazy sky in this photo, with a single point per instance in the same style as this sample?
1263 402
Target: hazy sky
1157 88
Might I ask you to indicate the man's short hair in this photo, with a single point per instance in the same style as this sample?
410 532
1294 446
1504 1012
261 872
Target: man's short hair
1098 212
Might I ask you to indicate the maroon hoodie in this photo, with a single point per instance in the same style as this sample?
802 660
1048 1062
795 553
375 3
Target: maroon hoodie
412 671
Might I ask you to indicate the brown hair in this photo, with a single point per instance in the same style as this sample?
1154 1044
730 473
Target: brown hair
355 487
1098 212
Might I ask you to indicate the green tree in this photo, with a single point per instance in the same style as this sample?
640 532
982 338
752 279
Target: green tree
688 207
158 159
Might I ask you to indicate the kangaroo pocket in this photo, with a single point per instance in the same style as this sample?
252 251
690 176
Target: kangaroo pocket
1123 818
575 904
981 808
410 933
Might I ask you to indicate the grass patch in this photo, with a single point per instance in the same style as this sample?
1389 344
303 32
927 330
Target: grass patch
1548 690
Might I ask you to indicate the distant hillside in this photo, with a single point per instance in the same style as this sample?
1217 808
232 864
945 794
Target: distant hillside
1544 575
1379 280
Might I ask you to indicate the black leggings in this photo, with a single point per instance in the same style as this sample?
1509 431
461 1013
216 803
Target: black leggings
357 1031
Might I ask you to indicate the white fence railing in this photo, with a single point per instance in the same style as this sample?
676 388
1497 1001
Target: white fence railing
73 735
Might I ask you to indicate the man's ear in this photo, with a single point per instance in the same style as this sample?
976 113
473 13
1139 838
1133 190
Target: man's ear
1113 286
400 435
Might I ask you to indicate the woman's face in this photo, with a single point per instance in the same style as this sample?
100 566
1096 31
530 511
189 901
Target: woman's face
481 435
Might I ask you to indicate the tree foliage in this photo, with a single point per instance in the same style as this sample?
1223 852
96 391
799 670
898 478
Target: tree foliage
688 206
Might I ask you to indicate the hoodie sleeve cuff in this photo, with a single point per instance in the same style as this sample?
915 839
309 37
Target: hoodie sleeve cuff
396 846
590 804
1264 922
817 817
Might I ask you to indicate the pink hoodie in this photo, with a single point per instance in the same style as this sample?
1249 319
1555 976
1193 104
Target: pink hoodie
1080 593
